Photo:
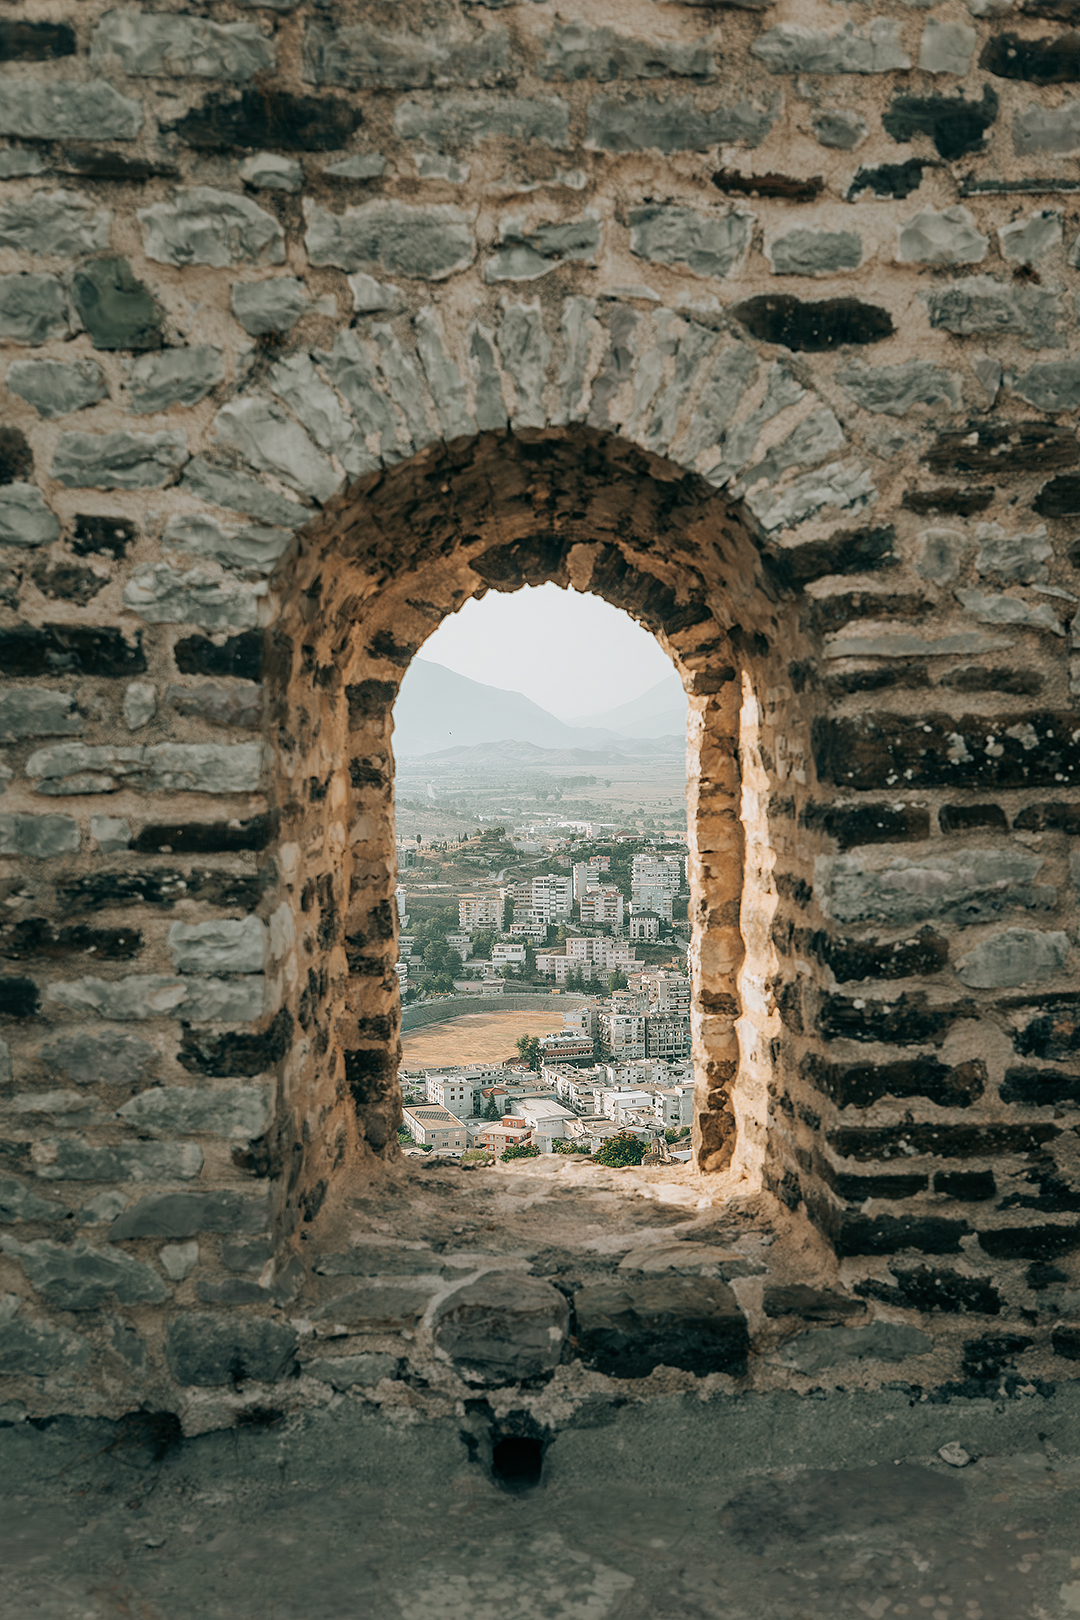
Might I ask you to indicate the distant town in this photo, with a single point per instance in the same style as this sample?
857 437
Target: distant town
554 907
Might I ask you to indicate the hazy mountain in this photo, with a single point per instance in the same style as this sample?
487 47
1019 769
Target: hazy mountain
658 712
507 752
438 709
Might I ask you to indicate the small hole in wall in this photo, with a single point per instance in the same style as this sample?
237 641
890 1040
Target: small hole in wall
517 1463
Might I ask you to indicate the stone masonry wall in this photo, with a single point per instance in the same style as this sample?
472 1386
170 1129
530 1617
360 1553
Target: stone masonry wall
320 318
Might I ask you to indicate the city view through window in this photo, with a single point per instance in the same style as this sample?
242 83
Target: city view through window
540 741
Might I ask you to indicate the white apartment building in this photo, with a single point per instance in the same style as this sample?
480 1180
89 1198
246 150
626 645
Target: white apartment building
477 911
462 943
586 872
529 928
458 1093
506 951
566 1046
623 1033
402 971
429 1124
614 1104
654 883
602 905
674 1106
667 1035
668 992
552 897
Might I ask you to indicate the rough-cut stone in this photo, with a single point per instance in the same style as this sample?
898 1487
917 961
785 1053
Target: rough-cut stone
16 162
140 704
709 245
25 520
174 377
1017 956
161 595
443 377
1018 557
270 171
270 440
427 243
526 254
38 837
980 304
18 1202
118 460
989 609
156 995
227 945
467 120
33 309
31 711
843 484
343 1372
110 833
840 129
176 45
1054 130
1050 385
90 1060
118 311
814 252
248 548
56 387
626 1327
37 1349
269 306
168 767
206 1350
1026 241
879 1341
72 1158
237 492
374 57
361 166
791 48
976 887
503 1328
240 1112
53 224
183 1214
314 402
945 237
575 51
946 47
895 390
941 553
674 124
207 226
178 1260
63 110
78 1277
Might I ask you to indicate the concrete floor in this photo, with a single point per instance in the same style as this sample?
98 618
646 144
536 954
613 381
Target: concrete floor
769 1508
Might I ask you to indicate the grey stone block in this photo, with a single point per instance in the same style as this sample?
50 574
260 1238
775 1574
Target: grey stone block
782 391
814 252
64 110
238 1112
156 995
270 440
708 244
170 767
945 237
1021 558
879 1341
628 1325
524 255
230 1291
524 349
946 47
140 704
991 609
980 304
25 520
845 485
426 244
443 377
105 1207
351 369
237 492
117 309
840 129
907 644
791 48
638 123
371 297
173 377
110 833
373 57
895 390
118 460
941 552
405 380
270 171
5 1064
16 162
53 224
375 1309
33 711
361 166
575 51
468 120
33 309
20 1203
226 945
183 1214
976 887
36 1349
269 306
249 548
311 399
161 595
733 370
99 1060
207 226
176 45
246 1254
1053 130
56 388
1051 385
206 1349
73 1158
78 1277
817 436
1017 956
503 1328
178 1260
38 837
366 1368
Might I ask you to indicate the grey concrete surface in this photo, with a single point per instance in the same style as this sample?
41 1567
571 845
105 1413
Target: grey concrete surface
771 1508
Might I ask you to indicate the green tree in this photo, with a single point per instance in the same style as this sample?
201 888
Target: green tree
493 1111
563 1144
508 913
519 1150
481 945
617 981
529 1052
676 1133
619 1151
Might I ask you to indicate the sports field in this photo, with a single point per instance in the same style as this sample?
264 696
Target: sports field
483 1037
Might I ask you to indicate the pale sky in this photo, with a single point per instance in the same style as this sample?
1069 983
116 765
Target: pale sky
573 654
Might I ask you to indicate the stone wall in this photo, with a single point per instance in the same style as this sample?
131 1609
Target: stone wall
321 319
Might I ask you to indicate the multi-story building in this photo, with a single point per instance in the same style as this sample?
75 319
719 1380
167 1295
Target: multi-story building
504 952
552 897
602 904
459 1094
644 925
462 943
667 992
654 882
667 1035
566 1046
434 1126
586 872
477 911
622 1034
674 1106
